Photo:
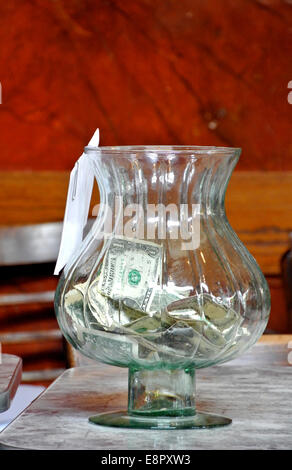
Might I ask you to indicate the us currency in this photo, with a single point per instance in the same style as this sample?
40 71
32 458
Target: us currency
182 334
127 298
130 271
203 309
110 312
87 307
99 328
197 326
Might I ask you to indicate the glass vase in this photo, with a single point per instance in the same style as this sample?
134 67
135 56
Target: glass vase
161 284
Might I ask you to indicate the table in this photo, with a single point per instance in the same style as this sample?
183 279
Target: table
254 390
10 377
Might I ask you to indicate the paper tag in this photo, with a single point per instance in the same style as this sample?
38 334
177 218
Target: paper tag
77 206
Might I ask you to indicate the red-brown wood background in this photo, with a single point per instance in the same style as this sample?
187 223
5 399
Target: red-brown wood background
206 72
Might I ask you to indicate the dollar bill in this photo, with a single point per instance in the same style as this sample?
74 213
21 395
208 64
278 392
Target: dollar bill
142 318
130 272
87 307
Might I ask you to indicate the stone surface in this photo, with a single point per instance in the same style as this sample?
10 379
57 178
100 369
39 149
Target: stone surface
255 391
10 377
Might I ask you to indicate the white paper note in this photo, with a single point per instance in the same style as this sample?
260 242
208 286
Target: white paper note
77 206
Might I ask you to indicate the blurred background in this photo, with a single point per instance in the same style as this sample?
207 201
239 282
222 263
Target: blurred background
197 72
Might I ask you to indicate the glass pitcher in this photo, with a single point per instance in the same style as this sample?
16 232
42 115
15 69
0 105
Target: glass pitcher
161 284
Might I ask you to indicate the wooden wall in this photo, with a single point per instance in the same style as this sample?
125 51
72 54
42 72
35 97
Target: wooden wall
206 72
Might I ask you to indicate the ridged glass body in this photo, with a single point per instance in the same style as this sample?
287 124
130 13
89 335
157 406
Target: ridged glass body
210 302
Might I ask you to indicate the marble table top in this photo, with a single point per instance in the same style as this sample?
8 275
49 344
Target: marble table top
10 377
255 391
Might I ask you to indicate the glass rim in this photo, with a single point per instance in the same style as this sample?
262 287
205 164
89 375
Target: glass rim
187 150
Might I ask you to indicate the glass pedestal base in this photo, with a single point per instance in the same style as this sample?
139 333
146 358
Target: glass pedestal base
122 419
161 399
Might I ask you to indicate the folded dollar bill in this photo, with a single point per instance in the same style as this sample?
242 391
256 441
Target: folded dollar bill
126 300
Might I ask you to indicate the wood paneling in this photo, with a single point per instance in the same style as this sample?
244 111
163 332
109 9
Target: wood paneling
32 197
258 204
203 72
278 321
31 330
259 208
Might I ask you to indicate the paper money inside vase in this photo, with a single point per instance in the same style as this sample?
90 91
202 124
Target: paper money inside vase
161 284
